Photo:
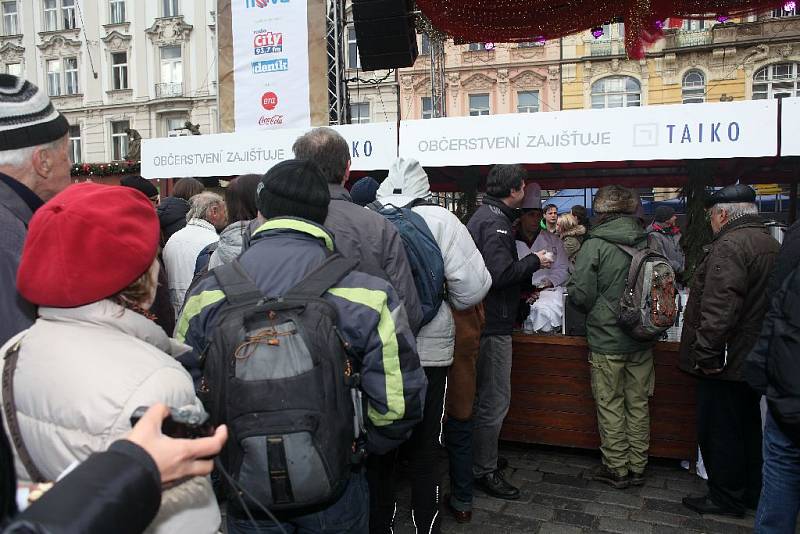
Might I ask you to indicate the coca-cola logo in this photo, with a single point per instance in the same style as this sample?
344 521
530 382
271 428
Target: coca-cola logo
268 120
269 100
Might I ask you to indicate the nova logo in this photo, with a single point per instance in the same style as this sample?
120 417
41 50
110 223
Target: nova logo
268 43
263 3
272 65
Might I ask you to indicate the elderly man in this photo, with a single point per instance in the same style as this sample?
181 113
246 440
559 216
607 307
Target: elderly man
531 239
34 166
665 237
727 303
207 216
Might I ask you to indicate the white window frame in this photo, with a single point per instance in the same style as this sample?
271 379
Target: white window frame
627 96
767 78
53 70
75 144
15 69
779 13
59 15
692 90
170 8
119 140
527 108
119 71
116 11
427 113
475 111
352 47
171 72
425 45
360 118
695 25
71 76
10 19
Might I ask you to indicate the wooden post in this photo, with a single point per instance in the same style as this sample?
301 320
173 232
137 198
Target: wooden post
792 202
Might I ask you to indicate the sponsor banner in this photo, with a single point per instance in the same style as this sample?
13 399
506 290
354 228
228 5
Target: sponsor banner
270 55
683 131
790 127
372 146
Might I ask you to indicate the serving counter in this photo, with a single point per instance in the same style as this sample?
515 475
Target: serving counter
551 397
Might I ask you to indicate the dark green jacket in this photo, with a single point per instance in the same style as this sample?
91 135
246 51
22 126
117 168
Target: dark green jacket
601 269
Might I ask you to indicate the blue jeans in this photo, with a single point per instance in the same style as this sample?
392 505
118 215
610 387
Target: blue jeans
458 440
350 514
780 493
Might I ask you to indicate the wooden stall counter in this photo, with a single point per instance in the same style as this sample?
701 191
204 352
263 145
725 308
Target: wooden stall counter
552 404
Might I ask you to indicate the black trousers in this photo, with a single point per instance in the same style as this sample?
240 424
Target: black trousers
729 433
422 450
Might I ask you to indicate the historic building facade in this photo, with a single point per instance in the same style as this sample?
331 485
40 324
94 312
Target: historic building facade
110 65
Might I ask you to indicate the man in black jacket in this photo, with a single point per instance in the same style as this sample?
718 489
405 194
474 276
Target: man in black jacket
491 229
773 369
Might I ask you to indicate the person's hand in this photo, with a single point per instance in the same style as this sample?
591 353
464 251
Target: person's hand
176 458
708 372
545 259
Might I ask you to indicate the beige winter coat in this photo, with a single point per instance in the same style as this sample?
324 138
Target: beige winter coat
81 373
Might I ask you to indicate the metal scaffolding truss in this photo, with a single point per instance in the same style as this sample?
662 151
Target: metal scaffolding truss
438 83
337 85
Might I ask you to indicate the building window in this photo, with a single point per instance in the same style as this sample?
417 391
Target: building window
119 68
425 49
75 143
478 105
171 72
14 69
427 107
173 124
783 12
59 15
119 140
359 113
169 8
117 11
10 21
353 59
693 88
695 25
476 47
616 92
527 101
776 81
71 75
62 76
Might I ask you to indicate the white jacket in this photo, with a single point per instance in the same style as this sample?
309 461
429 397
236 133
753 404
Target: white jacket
468 280
180 257
80 375
558 274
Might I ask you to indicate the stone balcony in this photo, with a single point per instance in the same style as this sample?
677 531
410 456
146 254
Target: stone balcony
731 34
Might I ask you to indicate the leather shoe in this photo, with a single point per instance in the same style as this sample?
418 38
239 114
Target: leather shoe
704 505
496 486
458 515
636 479
603 474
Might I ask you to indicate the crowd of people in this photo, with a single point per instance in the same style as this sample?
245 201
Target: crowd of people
326 344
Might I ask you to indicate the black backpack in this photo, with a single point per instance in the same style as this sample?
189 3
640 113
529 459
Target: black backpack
422 250
278 372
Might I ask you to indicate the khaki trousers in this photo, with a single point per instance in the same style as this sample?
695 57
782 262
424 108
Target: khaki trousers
621 387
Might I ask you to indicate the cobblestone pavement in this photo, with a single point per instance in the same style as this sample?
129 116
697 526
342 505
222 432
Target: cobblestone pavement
556 499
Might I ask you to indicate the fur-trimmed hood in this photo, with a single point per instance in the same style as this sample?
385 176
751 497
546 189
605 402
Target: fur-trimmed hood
615 199
578 231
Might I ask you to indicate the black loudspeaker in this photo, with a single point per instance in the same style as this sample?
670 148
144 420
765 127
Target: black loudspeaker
385 33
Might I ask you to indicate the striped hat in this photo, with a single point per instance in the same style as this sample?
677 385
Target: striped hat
27 117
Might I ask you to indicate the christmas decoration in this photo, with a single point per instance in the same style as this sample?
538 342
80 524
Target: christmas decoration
597 32
484 21
789 6
105 169
722 19
488 46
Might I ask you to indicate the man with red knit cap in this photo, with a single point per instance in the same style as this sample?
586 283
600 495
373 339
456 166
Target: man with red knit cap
34 166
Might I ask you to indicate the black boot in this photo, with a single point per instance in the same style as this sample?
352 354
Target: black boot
704 505
496 486
603 474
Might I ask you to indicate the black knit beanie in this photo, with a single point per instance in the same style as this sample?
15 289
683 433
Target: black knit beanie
27 117
294 188
140 184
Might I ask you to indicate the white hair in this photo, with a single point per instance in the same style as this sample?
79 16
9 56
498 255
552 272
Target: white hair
200 205
21 157
736 210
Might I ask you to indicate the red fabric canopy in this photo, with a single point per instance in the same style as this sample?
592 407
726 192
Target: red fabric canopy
526 20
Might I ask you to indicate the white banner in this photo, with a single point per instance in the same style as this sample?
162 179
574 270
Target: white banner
372 147
683 131
270 56
790 127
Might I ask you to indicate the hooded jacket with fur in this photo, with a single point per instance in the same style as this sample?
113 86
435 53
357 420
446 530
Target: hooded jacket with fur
467 279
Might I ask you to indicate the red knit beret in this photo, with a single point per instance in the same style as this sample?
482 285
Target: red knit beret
87 243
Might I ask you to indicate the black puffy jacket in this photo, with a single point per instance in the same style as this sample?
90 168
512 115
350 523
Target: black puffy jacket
773 366
171 216
491 230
